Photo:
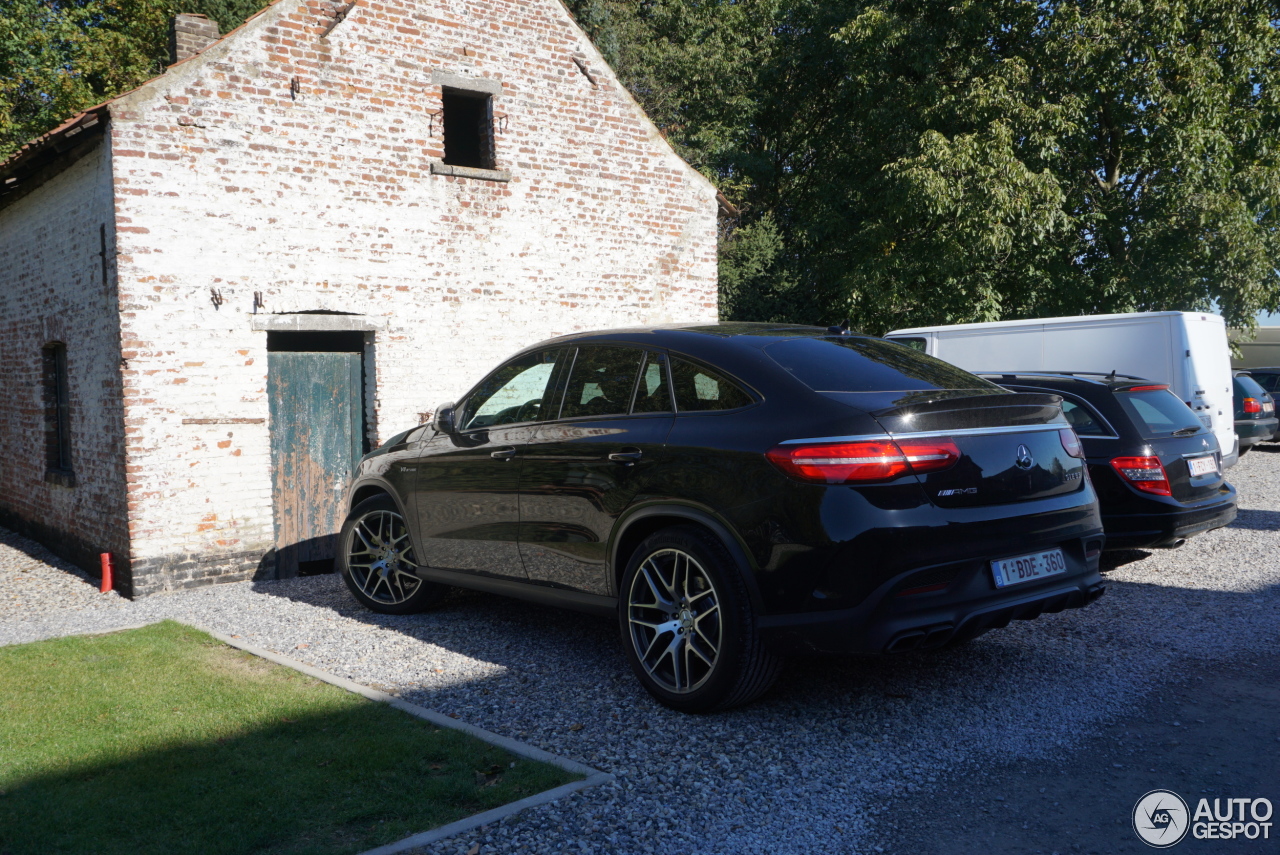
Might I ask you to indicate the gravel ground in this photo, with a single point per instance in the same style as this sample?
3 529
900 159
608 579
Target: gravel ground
820 764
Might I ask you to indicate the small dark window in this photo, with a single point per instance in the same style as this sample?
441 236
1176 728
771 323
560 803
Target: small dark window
468 128
653 393
699 388
57 424
602 381
914 343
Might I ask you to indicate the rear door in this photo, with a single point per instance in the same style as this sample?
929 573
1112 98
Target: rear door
1000 465
1174 434
1207 366
589 461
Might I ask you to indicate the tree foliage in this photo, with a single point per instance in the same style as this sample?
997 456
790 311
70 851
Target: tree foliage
59 56
896 161
917 161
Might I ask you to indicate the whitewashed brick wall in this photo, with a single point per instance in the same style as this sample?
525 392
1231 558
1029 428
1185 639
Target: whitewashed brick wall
323 199
52 289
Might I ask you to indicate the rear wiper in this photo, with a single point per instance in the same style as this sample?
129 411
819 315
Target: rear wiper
1186 431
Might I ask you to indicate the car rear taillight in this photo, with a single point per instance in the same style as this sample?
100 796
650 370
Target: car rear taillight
863 461
1155 387
1071 443
1145 473
1252 406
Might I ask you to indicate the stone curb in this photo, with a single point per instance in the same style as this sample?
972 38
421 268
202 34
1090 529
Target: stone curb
593 777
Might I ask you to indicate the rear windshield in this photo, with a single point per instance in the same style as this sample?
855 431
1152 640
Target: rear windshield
1157 412
857 364
1248 387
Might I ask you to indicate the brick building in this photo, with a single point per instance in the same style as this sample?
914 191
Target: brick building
402 192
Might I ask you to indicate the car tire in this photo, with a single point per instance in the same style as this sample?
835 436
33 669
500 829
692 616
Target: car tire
375 558
687 625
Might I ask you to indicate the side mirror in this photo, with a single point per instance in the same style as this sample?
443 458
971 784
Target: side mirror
442 421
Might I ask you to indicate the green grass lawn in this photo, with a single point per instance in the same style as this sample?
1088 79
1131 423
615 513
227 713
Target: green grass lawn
164 740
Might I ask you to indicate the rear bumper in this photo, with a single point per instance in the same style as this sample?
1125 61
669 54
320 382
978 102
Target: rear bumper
1168 526
1253 431
889 622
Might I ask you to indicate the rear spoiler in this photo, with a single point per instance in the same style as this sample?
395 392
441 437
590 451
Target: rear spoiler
975 411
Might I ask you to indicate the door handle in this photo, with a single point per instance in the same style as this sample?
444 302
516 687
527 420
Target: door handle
626 457
503 454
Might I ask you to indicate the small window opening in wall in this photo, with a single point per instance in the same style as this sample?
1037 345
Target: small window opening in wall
468 128
57 430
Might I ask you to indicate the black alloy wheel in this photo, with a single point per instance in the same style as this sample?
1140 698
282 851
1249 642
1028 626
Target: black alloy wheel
375 557
687 624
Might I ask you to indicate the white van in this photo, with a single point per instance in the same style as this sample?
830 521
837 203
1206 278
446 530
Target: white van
1187 350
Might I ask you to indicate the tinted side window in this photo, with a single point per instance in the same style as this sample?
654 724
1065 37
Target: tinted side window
918 344
601 382
1082 419
511 394
699 389
653 394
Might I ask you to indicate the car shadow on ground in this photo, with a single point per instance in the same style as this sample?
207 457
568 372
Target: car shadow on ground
1256 520
839 739
551 665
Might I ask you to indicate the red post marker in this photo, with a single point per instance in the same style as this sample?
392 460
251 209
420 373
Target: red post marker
107 582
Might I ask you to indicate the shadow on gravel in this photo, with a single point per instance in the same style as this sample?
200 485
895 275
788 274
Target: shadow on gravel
41 553
1118 558
555 663
836 741
1257 520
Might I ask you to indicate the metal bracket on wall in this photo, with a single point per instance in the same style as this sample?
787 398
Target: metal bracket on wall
581 62
215 297
339 16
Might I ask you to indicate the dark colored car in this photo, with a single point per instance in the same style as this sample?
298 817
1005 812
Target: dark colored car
732 493
1267 378
1157 470
1255 411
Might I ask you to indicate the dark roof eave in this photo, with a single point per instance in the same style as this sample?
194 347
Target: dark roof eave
48 154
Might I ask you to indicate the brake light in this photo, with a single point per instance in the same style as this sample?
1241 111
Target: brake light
1252 406
1155 387
1145 473
1071 443
863 461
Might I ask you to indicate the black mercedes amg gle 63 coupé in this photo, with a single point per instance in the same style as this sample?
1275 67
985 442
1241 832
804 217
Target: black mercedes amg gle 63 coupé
733 493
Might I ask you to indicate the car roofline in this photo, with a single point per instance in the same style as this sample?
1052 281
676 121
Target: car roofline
1095 377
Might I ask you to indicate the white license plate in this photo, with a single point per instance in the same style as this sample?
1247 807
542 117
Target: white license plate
1207 421
1202 465
1026 568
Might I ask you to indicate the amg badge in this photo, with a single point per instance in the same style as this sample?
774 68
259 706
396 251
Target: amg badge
960 491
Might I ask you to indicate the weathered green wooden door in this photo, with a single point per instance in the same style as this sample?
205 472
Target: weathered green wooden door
317 422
